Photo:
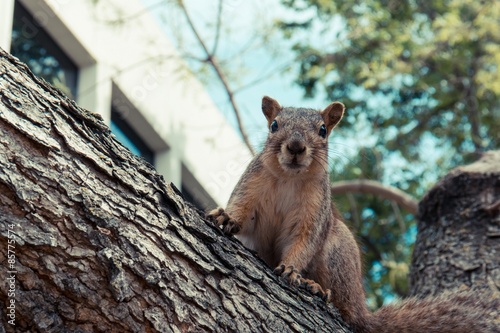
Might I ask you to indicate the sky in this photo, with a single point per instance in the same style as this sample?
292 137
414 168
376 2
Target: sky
239 21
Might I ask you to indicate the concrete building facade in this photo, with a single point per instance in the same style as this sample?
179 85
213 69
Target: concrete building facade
116 60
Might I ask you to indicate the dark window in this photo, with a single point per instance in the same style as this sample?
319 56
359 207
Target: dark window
33 46
200 204
129 138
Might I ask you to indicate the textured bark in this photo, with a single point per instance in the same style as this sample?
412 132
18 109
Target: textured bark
104 244
458 242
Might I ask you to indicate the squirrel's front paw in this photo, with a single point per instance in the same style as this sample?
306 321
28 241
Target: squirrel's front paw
220 218
289 273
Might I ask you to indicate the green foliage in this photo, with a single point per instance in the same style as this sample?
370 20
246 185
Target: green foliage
423 78
436 62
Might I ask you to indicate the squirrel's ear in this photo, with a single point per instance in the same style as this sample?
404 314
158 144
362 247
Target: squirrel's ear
332 115
270 108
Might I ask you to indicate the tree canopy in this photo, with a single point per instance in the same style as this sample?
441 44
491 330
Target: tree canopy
427 68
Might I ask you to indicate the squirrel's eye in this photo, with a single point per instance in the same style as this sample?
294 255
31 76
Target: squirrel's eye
322 131
274 126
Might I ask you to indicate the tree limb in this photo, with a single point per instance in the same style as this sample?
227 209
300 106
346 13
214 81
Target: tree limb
378 189
458 242
218 27
102 243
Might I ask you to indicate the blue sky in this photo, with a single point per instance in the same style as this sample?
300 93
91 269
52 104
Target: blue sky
240 19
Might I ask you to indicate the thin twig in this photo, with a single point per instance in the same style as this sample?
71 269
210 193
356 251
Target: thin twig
220 74
354 210
399 216
266 76
137 14
217 28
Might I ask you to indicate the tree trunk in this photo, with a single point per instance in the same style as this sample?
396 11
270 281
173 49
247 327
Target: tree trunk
97 241
94 240
458 242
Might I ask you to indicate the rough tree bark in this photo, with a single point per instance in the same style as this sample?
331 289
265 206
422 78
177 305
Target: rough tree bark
101 243
92 239
458 242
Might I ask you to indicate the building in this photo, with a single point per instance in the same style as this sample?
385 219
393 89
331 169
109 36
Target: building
113 58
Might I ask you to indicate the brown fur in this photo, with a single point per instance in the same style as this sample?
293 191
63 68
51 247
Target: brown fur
281 208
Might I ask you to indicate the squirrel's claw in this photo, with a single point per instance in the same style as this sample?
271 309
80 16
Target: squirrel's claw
220 218
314 288
289 273
327 297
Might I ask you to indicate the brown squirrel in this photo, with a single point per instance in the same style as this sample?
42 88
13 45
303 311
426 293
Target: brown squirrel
282 208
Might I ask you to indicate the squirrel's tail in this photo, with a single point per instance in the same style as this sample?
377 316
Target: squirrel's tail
462 312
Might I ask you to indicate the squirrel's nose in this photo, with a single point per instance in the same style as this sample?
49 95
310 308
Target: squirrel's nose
295 147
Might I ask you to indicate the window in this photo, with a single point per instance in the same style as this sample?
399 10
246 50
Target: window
129 138
194 192
33 46
193 199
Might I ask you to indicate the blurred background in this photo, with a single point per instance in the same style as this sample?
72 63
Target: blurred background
180 84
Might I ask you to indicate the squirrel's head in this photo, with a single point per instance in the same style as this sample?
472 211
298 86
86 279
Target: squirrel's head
298 137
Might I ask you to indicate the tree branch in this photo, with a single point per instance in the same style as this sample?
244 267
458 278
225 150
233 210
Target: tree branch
99 242
354 210
218 26
220 74
399 217
378 189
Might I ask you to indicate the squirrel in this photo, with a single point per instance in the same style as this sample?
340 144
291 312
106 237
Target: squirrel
282 208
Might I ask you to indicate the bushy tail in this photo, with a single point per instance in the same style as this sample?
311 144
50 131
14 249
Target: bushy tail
462 312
